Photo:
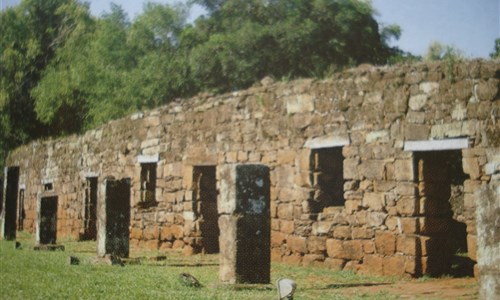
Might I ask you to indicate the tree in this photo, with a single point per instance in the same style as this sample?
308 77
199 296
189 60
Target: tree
31 33
496 51
439 51
249 39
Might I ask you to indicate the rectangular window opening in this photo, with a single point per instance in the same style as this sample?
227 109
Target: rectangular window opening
48 186
90 209
148 183
327 178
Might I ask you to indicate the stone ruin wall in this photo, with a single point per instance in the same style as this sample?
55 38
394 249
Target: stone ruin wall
370 112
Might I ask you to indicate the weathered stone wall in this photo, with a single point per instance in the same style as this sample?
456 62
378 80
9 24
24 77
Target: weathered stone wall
488 229
370 112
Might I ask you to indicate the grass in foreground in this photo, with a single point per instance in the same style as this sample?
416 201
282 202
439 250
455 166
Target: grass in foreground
28 274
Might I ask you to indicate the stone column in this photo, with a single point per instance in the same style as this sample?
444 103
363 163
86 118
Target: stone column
488 232
113 217
244 221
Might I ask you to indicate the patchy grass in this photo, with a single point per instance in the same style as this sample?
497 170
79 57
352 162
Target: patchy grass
28 274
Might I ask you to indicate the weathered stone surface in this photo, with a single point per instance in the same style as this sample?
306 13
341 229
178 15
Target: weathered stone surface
373 114
352 249
385 243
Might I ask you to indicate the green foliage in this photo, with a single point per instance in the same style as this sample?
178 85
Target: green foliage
496 51
64 71
439 51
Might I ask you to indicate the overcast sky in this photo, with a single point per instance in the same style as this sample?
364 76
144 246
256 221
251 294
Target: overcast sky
470 25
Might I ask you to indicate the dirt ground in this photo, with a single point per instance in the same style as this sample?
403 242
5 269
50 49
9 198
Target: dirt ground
442 288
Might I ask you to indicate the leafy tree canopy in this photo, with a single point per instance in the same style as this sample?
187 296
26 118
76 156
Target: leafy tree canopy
64 71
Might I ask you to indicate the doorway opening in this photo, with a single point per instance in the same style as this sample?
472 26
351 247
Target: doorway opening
441 185
90 209
205 196
48 220
10 208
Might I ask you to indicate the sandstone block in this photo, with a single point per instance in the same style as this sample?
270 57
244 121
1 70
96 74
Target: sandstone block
394 265
297 244
385 242
287 227
316 245
372 264
352 249
351 168
404 170
293 259
372 169
374 201
407 206
314 260
277 238
408 245
417 102
342 232
285 211
362 233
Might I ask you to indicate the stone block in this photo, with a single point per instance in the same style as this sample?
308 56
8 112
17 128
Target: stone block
342 232
297 244
294 259
417 102
313 260
415 132
429 88
472 167
352 249
374 201
394 265
404 170
287 227
372 169
372 264
299 104
285 211
408 245
322 227
376 219
407 206
316 245
351 168
368 246
334 263
362 233
286 157
385 242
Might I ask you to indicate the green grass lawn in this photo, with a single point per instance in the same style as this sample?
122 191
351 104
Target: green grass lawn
28 274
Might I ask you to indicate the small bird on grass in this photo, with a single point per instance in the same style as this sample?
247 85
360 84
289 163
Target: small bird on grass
189 280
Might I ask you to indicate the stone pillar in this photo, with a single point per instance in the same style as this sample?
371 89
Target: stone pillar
113 217
488 233
244 221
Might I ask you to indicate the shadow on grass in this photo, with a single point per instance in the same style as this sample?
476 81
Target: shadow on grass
348 285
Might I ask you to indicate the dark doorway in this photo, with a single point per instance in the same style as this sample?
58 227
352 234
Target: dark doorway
48 220
205 195
90 209
327 166
441 182
117 217
20 211
11 202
